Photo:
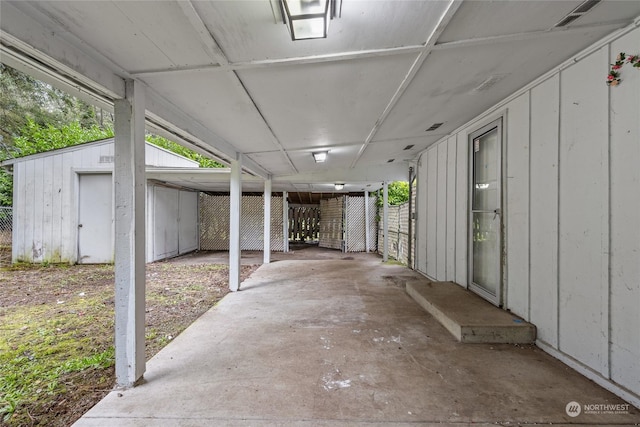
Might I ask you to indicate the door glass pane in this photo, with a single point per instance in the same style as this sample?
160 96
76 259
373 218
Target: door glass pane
485 251
485 172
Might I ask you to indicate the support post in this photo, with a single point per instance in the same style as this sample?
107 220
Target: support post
285 220
235 213
385 221
129 195
267 221
367 236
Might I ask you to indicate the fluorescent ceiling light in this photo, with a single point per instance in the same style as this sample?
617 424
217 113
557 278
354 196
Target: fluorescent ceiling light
338 186
320 156
309 19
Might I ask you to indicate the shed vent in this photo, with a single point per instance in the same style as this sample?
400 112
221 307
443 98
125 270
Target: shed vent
577 12
434 127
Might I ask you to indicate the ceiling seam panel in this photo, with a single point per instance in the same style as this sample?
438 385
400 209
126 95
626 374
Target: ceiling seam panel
453 7
274 138
209 43
227 149
526 36
302 60
217 54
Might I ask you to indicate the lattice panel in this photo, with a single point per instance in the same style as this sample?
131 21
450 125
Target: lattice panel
6 226
355 218
331 211
398 233
214 223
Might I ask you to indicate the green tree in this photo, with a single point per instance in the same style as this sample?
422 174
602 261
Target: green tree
203 161
36 117
35 138
24 99
398 193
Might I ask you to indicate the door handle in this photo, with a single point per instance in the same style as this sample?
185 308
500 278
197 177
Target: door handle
79 225
496 212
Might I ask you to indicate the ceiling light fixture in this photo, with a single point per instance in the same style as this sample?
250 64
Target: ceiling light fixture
320 156
338 186
309 19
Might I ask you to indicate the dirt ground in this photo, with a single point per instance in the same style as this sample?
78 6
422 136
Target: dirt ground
81 297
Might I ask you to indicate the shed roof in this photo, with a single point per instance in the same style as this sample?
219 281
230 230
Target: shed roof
188 163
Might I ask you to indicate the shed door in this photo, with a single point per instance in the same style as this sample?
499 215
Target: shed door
187 222
165 223
95 219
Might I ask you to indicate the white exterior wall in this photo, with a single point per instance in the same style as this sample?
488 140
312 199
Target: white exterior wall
571 188
45 196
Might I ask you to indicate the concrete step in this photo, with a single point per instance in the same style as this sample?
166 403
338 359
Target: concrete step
467 316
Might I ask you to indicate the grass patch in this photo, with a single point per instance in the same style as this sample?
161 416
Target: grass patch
41 343
57 325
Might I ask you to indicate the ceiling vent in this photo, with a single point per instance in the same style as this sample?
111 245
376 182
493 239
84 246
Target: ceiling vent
577 12
390 160
434 127
408 147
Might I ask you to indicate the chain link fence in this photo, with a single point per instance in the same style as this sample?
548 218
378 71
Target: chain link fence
6 228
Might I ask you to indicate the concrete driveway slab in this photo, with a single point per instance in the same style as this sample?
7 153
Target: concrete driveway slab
338 342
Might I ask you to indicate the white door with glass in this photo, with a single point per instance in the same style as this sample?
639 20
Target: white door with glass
485 216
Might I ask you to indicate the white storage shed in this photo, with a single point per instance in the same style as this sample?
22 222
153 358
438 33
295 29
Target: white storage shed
63 203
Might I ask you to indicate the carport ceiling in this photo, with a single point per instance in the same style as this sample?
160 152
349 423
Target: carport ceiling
227 75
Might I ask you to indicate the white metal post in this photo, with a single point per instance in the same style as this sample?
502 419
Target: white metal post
235 212
267 221
129 193
285 220
385 221
367 237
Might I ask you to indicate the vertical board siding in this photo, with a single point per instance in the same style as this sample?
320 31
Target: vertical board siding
441 213
451 210
432 197
462 216
516 212
26 253
572 197
56 208
165 229
583 200
625 232
37 243
544 210
69 221
187 222
421 215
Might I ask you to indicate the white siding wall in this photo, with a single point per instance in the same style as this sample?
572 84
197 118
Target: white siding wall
45 202
46 197
571 185
172 222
